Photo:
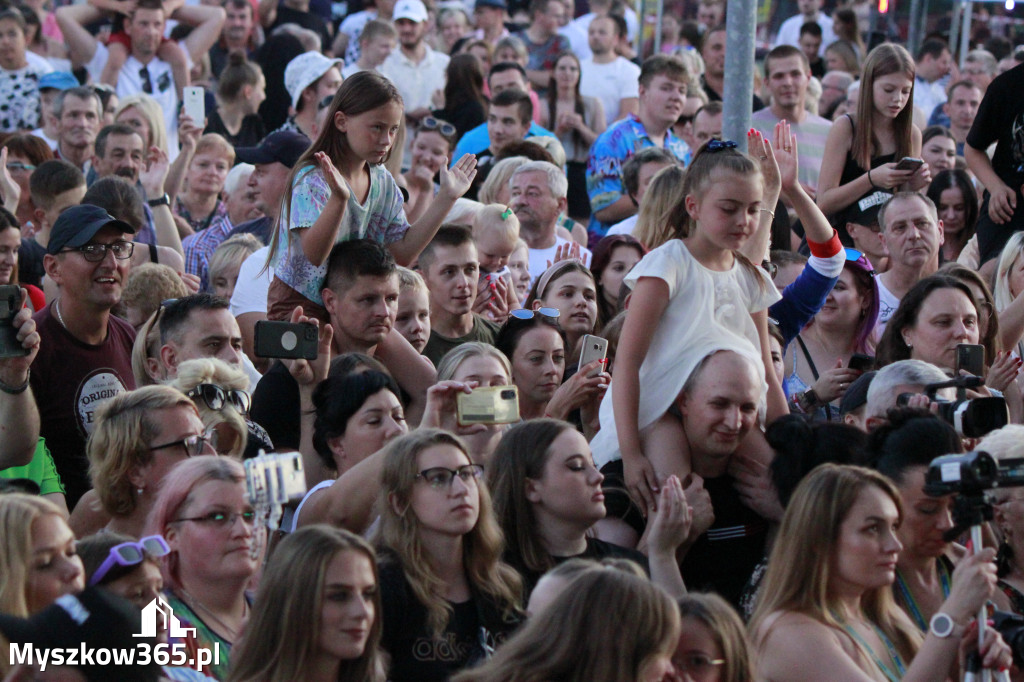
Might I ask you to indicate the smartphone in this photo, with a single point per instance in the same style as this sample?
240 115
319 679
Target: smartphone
488 405
286 340
195 104
594 348
970 357
909 163
861 362
10 304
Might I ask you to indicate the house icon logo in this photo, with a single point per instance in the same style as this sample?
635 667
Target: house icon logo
158 615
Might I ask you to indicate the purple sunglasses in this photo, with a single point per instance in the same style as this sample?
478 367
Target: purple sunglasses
131 554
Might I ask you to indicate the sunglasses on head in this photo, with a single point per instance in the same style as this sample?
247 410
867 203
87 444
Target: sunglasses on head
216 397
858 257
444 127
528 314
131 554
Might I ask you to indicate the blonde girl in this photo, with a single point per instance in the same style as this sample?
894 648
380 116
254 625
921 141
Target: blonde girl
340 190
663 207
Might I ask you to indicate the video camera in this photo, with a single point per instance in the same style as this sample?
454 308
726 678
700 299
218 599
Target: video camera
972 473
971 418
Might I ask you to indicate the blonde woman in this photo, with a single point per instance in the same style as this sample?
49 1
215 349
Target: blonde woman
448 600
662 208
218 391
486 366
713 643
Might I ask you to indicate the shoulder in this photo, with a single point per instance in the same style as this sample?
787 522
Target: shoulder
122 329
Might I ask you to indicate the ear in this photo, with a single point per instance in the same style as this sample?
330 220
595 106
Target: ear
39 218
136 476
682 403
329 298
395 506
168 357
531 491
51 264
691 205
537 305
336 447
341 121
945 108
154 369
563 204
942 234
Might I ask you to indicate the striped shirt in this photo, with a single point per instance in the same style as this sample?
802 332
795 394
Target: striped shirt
810 137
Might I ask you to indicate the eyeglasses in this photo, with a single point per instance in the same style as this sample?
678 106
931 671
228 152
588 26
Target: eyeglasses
147 84
221 520
444 127
440 478
528 314
685 119
194 445
216 397
94 253
697 665
131 554
15 166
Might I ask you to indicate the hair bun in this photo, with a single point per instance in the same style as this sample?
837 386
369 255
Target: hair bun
237 58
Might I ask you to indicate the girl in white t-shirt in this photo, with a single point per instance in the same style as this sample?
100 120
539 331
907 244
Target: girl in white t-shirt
693 296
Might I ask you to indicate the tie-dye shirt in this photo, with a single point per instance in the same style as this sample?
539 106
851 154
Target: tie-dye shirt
381 218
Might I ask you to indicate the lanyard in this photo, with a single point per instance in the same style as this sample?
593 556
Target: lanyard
908 598
886 670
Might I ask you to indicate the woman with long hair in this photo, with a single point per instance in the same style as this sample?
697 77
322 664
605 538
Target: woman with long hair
863 149
448 600
577 121
614 256
317 615
956 201
713 643
548 498
215 537
569 287
663 208
1009 285
832 615
486 367
608 626
465 104
820 358
938 148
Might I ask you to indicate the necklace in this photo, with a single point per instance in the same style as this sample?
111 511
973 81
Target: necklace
893 655
60 318
230 631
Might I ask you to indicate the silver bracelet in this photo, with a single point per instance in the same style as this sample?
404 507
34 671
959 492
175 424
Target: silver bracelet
15 390
769 212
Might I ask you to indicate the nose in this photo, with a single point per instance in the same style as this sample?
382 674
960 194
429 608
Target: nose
960 329
72 569
458 487
393 429
945 520
596 477
733 418
231 355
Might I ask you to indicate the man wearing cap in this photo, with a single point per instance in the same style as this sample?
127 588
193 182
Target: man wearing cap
415 69
490 20
50 85
143 71
309 78
273 159
85 352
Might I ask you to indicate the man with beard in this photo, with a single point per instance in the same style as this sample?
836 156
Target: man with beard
77 111
118 151
238 34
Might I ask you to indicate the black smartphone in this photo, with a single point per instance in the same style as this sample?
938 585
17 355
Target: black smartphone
286 340
909 163
10 304
970 357
861 362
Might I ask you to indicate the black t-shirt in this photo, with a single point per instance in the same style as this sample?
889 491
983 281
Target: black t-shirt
475 628
726 554
250 134
275 407
30 262
287 15
1000 119
596 550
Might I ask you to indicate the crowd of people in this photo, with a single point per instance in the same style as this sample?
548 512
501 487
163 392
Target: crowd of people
719 363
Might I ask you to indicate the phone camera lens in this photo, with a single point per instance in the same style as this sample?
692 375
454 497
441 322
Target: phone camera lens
508 395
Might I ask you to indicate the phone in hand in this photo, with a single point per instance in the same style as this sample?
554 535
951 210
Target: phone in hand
593 348
970 357
286 340
10 304
909 163
195 104
861 362
488 405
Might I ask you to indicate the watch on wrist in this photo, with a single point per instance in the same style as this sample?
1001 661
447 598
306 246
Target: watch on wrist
943 626
165 200
808 400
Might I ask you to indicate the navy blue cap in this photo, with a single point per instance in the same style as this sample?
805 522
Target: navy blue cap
285 147
79 224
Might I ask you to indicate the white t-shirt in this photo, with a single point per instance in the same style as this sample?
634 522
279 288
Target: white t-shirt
625 227
130 82
250 294
577 38
887 305
789 32
611 83
632 23
707 311
539 258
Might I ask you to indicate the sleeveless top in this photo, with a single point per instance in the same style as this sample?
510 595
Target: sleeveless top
851 171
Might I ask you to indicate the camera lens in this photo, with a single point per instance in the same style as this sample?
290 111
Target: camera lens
508 395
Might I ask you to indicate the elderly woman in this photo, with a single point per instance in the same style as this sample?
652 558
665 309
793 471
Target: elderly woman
137 437
200 203
219 393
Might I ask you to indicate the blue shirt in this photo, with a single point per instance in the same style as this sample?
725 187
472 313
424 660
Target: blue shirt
613 148
478 138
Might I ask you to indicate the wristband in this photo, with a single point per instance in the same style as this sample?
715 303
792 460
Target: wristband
769 212
159 201
15 390
873 185
826 249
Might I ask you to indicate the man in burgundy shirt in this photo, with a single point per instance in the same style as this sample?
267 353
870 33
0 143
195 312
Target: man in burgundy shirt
85 352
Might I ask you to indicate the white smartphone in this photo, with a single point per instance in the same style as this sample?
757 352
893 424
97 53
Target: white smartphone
594 348
195 104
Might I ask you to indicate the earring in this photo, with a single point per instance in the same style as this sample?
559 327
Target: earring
909 345
139 490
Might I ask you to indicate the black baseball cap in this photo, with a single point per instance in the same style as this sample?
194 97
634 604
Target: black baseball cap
284 147
856 393
78 224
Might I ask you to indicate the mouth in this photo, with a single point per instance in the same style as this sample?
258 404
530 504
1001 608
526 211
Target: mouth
358 633
463 509
598 497
108 281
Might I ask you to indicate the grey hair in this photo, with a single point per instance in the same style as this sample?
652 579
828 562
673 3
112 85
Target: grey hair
907 196
81 92
236 175
985 58
883 391
558 184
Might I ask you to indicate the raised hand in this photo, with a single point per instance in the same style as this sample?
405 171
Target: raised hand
153 178
335 180
309 373
786 156
10 191
456 181
760 148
